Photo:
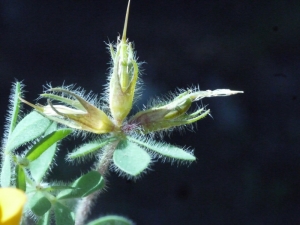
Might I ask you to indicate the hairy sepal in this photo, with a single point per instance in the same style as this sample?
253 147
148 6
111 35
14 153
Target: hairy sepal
168 116
174 112
13 108
80 114
11 121
165 151
88 149
123 77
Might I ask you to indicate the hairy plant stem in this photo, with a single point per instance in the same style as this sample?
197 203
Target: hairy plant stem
105 161
84 206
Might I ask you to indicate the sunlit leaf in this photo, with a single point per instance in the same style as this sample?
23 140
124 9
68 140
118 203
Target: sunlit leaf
6 171
89 148
20 178
39 166
131 158
14 106
57 187
166 150
30 127
46 142
84 185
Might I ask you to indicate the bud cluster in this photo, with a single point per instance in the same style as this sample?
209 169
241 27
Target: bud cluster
75 111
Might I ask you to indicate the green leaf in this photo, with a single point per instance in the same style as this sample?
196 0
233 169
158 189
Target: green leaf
30 127
131 158
39 204
39 167
14 106
111 220
166 150
20 178
40 147
89 148
45 219
57 187
6 171
63 215
85 185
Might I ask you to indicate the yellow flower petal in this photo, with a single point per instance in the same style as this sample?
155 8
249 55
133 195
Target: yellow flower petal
12 201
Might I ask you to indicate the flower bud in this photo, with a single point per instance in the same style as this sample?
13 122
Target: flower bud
175 113
169 115
123 78
84 116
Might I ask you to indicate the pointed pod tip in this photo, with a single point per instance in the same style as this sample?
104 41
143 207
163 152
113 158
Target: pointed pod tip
126 22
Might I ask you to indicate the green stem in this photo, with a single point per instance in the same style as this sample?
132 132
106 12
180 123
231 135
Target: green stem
105 161
83 207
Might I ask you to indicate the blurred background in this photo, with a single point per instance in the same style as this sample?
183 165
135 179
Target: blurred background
248 164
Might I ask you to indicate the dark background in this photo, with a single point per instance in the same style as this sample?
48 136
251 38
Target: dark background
248 164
